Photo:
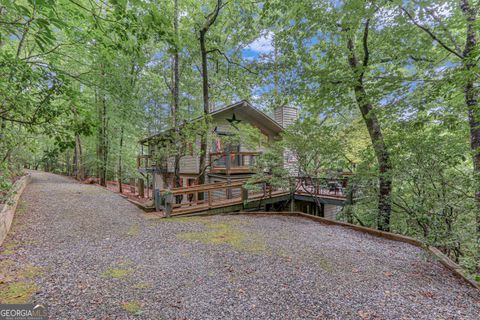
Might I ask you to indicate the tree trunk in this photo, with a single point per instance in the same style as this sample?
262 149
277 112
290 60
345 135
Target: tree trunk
80 171
120 187
382 155
104 147
99 137
206 101
471 100
103 134
75 160
206 108
474 123
176 93
374 130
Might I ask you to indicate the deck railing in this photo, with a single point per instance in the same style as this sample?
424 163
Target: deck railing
208 196
211 195
233 162
330 187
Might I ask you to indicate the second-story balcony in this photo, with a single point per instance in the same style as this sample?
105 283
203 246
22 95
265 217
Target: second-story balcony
233 162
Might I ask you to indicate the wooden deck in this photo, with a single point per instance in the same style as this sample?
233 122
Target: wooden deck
234 196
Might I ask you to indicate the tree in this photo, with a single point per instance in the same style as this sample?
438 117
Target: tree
176 90
439 32
338 71
209 21
373 125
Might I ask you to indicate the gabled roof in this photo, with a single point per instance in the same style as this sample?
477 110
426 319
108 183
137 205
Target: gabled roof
242 107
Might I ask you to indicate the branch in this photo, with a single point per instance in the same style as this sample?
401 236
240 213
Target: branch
232 62
212 16
92 12
431 34
166 83
433 14
25 31
50 51
366 53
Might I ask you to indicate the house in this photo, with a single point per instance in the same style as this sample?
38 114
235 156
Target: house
224 163
227 160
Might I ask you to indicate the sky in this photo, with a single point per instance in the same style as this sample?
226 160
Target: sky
261 45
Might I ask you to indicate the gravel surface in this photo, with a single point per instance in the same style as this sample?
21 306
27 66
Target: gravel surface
100 257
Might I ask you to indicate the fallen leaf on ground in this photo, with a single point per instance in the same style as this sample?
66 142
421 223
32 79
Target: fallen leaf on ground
427 294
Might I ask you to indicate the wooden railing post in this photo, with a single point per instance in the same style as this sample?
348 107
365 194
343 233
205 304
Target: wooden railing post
228 190
157 199
209 198
244 194
228 162
168 204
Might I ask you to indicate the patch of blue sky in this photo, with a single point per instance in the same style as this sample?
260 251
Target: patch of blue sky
259 90
156 58
411 85
250 54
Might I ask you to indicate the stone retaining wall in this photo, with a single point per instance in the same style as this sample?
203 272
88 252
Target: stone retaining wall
8 210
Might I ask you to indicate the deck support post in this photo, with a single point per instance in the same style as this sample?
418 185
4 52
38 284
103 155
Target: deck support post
168 204
141 188
148 186
157 200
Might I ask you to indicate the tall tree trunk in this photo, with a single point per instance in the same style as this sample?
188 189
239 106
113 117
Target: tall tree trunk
75 160
102 109
176 93
471 100
104 146
210 20
99 137
206 107
120 172
374 130
79 158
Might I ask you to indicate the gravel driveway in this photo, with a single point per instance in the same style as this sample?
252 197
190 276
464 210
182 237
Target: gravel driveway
89 254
